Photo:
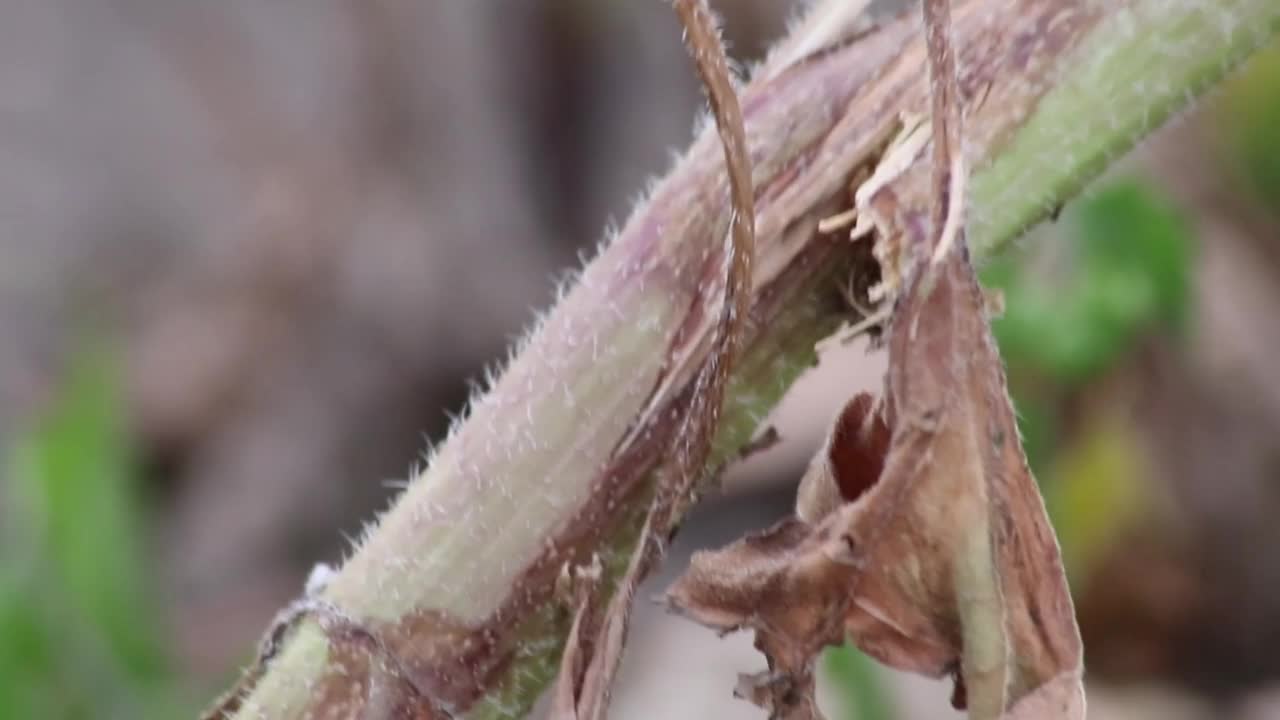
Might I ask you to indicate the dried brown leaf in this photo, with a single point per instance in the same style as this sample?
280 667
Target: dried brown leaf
945 562
703 42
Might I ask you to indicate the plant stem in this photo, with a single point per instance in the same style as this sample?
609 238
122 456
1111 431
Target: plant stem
1135 72
552 464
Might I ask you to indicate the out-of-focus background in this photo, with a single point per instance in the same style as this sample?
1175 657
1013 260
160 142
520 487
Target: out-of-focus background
253 253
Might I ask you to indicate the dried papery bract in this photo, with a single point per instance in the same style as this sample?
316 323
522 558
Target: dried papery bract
944 563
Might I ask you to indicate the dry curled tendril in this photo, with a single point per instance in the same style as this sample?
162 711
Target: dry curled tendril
919 533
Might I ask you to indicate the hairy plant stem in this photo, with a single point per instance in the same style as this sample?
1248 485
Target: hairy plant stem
552 465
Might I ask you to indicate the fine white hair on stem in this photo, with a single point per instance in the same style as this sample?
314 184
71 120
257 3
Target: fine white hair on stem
822 25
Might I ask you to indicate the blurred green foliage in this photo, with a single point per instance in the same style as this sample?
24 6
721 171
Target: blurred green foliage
1248 119
1127 269
1095 488
858 683
78 628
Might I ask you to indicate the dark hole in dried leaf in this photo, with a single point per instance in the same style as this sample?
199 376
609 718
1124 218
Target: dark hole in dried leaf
858 447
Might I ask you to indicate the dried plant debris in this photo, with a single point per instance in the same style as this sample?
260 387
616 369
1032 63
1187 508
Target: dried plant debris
919 532
579 586
595 644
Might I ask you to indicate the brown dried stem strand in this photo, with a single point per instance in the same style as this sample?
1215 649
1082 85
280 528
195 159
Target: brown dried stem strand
984 677
947 118
587 697
704 45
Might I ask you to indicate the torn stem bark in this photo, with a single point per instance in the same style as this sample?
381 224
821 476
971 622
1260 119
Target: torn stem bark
554 462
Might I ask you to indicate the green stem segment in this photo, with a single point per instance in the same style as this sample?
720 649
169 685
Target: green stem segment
1133 73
